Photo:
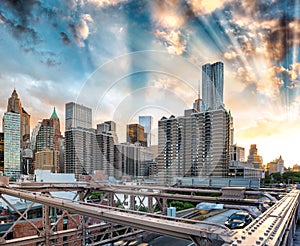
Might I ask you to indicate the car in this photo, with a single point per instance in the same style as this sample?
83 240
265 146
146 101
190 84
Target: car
238 220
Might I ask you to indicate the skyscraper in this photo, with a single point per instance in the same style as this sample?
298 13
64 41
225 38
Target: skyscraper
136 134
45 136
197 144
146 122
1 152
105 153
81 151
78 116
12 144
132 160
253 157
212 85
48 139
15 106
81 148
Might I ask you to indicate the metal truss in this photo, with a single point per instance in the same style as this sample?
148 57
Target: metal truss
97 224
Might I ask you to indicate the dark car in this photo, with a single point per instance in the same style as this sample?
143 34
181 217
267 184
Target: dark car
238 220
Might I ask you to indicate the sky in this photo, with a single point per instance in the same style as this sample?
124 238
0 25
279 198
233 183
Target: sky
128 58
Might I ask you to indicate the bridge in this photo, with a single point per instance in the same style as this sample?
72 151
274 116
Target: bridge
97 224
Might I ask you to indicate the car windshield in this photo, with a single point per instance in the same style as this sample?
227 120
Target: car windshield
237 217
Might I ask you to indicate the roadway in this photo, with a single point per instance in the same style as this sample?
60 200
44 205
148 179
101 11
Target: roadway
218 219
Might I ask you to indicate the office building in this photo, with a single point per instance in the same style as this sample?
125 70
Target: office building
78 116
81 151
80 141
45 136
197 144
136 134
108 127
253 157
56 127
12 144
34 134
212 86
146 122
47 159
105 157
48 133
15 106
1 152
237 153
132 160
275 166
27 167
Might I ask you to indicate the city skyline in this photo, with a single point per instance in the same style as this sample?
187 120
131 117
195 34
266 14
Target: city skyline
126 58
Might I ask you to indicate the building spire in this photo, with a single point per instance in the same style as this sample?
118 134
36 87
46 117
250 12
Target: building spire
54 115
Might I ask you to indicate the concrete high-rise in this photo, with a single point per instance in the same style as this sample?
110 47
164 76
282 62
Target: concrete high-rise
81 151
80 141
1 152
78 116
15 106
197 144
146 122
108 127
132 160
12 144
105 145
212 86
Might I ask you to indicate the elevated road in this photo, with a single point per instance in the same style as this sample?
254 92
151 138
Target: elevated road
175 227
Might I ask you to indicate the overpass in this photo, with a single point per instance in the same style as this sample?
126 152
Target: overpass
275 226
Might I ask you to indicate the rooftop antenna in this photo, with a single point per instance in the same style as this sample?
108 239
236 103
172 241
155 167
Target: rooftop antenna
199 89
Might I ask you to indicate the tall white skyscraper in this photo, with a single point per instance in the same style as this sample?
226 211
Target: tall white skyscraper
146 122
212 86
81 145
78 116
12 144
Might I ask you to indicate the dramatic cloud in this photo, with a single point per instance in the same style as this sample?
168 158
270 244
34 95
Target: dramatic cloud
81 30
169 19
201 7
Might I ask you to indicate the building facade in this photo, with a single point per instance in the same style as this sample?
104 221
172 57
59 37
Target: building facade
47 159
1 152
80 151
48 138
105 158
78 116
15 106
12 144
237 153
212 86
275 166
80 140
253 157
136 134
132 160
197 144
146 122
194 146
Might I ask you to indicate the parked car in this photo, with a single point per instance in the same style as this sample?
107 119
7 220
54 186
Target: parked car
238 220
